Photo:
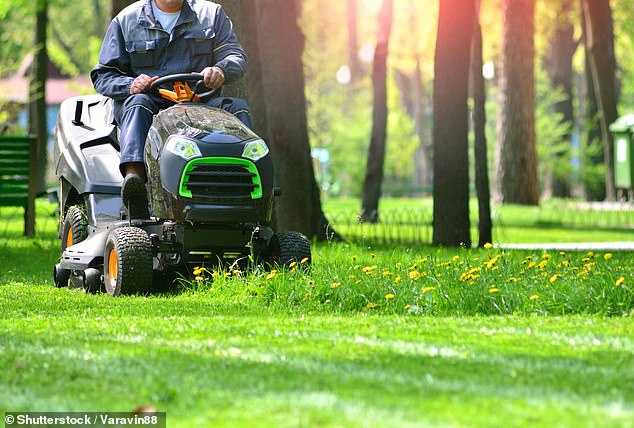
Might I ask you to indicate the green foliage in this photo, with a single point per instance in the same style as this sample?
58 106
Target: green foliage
554 145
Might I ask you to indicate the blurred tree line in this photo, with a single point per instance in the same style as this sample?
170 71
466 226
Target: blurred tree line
556 82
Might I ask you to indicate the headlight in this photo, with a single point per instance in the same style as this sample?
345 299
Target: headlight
186 149
255 150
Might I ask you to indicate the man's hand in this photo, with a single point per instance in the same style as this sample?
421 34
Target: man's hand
214 77
141 84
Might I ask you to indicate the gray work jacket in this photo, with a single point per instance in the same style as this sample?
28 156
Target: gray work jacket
136 44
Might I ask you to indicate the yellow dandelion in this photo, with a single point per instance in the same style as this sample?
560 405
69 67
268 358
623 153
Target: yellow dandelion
335 284
407 307
428 289
547 257
533 297
373 255
494 290
607 256
489 264
397 279
304 260
562 253
354 257
371 305
387 273
389 296
456 258
292 265
619 281
199 278
554 277
414 275
542 264
369 269
358 282
351 276
271 275
311 282
488 245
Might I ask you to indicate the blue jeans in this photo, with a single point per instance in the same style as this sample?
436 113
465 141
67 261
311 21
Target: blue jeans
134 116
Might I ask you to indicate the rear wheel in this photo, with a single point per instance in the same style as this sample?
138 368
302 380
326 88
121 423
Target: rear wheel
127 262
288 247
75 227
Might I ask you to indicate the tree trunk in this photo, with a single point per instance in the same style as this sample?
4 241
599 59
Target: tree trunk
117 6
415 101
600 45
451 123
274 43
517 153
560 71
37 95
479 129
376 152
235 10
592 126
353 43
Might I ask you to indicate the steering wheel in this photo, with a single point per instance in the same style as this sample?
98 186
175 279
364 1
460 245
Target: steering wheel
182 92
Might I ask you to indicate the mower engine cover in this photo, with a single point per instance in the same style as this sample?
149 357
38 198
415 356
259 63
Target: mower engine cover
205 165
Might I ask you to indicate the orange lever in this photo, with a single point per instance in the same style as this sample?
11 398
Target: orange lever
181 93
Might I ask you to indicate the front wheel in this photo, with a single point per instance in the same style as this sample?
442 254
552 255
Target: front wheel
75 227
288 247
127 261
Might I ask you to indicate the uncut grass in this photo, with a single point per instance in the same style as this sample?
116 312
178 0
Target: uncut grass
346 278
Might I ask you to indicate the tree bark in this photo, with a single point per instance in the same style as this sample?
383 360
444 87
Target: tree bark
600 45
591 125
560 71
517 153
235 10
376 151
356 70
485 227
275 85
451 123
37 94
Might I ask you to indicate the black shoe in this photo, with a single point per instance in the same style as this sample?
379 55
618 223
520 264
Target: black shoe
134 196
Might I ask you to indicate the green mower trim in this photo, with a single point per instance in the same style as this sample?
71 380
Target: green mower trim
250 166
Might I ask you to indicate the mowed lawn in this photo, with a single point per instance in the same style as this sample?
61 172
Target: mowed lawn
458 340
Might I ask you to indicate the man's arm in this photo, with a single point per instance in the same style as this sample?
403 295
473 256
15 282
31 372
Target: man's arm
112 76
228 54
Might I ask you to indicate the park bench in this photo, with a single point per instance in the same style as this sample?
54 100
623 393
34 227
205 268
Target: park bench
17 177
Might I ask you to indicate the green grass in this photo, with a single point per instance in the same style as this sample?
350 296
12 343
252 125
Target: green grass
408 221
462 342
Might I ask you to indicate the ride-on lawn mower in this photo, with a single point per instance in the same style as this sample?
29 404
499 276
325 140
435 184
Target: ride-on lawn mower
210 188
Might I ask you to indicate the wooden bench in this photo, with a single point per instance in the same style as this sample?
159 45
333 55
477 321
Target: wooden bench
17 177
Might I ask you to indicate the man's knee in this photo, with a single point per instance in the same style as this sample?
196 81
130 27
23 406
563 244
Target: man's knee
139 103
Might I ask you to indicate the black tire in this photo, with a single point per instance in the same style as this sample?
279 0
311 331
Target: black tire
127 266
75 227
60 276
288 247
